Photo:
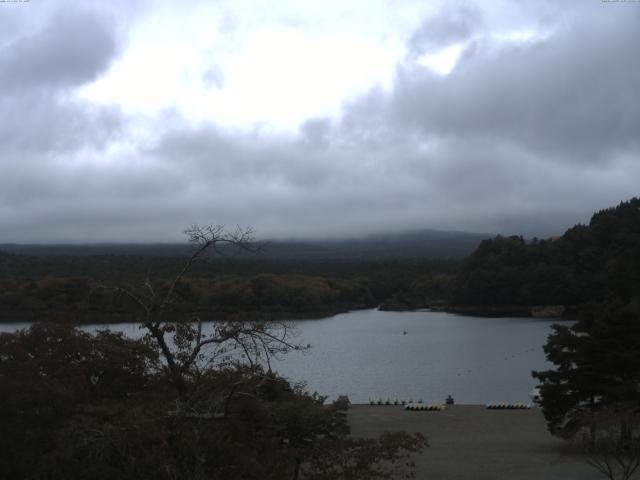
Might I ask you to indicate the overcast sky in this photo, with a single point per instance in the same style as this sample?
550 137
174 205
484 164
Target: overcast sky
131 120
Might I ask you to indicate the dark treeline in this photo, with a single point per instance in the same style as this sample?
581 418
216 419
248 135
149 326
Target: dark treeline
504 275
593 262
84 286
282 279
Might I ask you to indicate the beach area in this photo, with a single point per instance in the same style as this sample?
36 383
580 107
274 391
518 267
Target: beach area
472 442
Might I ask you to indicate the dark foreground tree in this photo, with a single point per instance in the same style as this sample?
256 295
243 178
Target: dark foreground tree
74 405
54 375
597 362
593 395
187 401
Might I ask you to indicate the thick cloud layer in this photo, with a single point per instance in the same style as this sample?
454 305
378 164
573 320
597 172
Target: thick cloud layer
455 23
525 135
70 50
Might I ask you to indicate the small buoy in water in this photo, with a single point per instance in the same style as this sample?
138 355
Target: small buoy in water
404 333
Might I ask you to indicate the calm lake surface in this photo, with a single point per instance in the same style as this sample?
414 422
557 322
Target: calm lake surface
366 354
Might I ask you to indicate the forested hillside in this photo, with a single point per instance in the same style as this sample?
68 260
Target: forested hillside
591 262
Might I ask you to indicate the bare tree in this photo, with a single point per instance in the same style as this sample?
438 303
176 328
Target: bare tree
186 345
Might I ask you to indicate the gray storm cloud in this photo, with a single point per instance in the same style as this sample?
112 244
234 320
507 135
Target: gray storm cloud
572 97
70 50
521 137
44 128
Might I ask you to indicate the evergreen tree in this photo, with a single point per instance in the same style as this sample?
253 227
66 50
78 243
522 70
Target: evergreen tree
588 263
597 365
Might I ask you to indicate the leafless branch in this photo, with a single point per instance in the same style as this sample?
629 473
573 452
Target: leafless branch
185 350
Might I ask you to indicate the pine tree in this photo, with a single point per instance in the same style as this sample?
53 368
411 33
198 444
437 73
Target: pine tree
597 365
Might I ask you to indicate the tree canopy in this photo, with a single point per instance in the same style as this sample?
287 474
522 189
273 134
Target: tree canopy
76 406
597 366
591 262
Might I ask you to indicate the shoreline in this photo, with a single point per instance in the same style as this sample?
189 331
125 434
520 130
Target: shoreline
558 312
531 311
475 443
97 318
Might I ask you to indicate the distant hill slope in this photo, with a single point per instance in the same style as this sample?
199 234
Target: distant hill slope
588 263
418 244
286 280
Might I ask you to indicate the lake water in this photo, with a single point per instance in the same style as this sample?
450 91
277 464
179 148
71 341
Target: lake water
366 354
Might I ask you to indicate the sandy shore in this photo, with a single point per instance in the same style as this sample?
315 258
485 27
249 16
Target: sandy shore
471 442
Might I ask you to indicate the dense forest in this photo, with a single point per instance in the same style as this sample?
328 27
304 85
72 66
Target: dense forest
85 288
282 279
504 275
593 262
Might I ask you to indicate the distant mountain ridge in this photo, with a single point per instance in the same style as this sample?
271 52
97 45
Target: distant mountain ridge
437 244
